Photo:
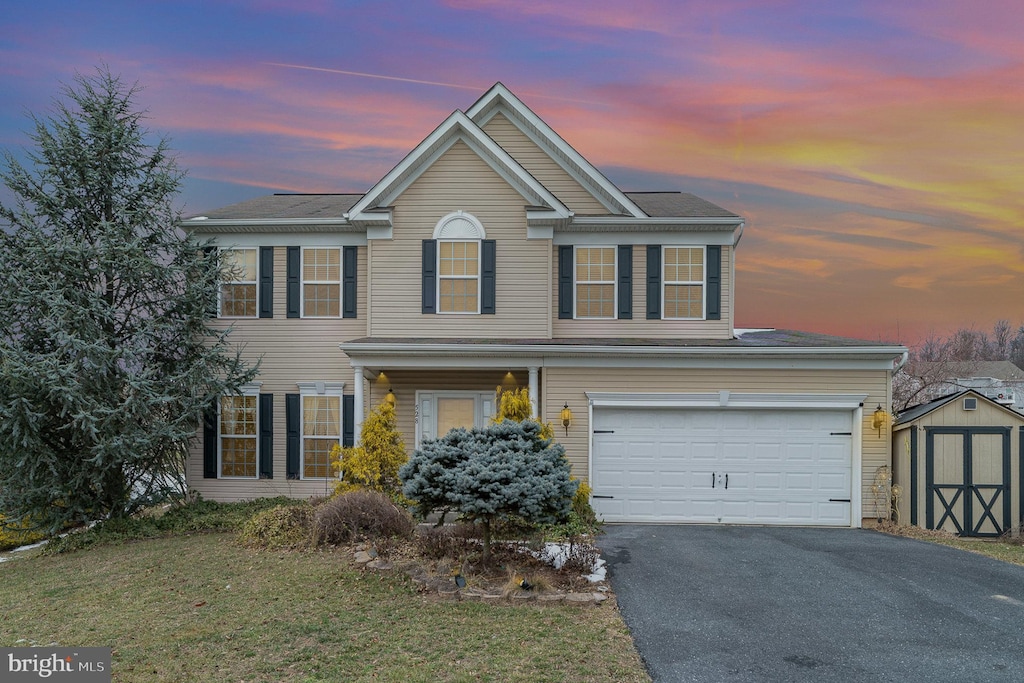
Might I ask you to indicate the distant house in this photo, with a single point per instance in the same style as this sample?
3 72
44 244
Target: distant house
495 254
1000 380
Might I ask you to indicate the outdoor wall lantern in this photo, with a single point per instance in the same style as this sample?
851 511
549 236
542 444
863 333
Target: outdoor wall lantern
566 417
390 397
878 419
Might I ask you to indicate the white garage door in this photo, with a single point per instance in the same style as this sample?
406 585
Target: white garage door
766 466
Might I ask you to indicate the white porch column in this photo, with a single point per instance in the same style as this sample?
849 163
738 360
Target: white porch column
357 382
534 391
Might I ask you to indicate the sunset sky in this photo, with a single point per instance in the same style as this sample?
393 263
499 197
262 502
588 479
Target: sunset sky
876 149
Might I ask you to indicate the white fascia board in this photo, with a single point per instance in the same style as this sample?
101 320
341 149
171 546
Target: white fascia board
456 127
654 236
211 225
654 222
499 95
825 358
319 239
729 400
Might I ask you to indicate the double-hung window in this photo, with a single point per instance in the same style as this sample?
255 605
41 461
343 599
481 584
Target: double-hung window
238 290
320 422
683 283
321 282
458 276
595 282
238 435
321 431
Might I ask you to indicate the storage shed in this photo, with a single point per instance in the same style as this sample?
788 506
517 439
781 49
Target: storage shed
957 461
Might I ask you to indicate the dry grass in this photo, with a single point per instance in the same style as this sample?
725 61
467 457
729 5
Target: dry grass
201 608
1003 549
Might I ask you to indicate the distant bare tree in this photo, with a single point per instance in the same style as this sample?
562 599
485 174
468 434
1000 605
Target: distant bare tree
936 362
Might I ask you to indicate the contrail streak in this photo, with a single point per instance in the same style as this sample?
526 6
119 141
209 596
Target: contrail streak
419 82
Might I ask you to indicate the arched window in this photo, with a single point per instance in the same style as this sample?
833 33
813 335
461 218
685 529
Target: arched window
458 236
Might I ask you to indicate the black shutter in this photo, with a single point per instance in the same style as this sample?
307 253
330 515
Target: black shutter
265 294
565 299
348 420
210 442
430 276
488 258
348 284
266 447
294 265
292 418
210 253
714 293
653 282
625 311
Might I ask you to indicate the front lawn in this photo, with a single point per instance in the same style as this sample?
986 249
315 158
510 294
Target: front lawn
201 608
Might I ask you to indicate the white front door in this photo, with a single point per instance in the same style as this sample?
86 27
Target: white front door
439 411
768 466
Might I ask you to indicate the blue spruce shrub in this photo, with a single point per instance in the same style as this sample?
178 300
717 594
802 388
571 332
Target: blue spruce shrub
490 473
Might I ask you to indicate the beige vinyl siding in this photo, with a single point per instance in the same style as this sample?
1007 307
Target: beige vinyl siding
640 326
952 415
543 167
568 385
460 180
406 383
292 350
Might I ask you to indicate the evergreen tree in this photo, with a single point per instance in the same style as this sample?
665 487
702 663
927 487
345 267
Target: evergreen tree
107 360
502 470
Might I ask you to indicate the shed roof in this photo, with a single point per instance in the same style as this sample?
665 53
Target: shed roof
913 413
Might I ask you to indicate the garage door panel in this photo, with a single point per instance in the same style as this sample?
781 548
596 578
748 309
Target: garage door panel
665 465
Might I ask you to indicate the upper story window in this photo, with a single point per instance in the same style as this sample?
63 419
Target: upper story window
458 277
683 283
238 290
321 282
595 282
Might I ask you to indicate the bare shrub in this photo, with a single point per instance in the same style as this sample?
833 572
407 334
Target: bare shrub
580 556
360 514
438 543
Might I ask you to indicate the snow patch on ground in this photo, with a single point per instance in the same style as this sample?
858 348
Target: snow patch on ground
556 555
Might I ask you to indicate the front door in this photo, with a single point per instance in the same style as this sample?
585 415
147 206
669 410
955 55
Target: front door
967 480
437 412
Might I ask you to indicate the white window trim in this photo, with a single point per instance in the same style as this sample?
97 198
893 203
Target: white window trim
459 226
479 263
255 283
318 389
615 284
250 389
303 282
703 283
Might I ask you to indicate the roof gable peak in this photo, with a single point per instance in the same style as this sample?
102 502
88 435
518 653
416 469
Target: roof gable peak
499 99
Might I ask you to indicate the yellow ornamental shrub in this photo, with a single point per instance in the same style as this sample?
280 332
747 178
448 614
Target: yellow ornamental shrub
515 405
374 463
16 534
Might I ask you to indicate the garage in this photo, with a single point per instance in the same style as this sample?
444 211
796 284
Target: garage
738 464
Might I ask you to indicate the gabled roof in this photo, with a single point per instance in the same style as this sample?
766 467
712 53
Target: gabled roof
917 411
285 206
457 127
678 204
500 99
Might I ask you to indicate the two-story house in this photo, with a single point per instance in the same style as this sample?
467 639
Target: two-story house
495 255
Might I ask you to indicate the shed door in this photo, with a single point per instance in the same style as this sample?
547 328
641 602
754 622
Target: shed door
967 480
777 466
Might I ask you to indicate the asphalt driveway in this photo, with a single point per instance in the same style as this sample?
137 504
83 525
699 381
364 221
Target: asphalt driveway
727 603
